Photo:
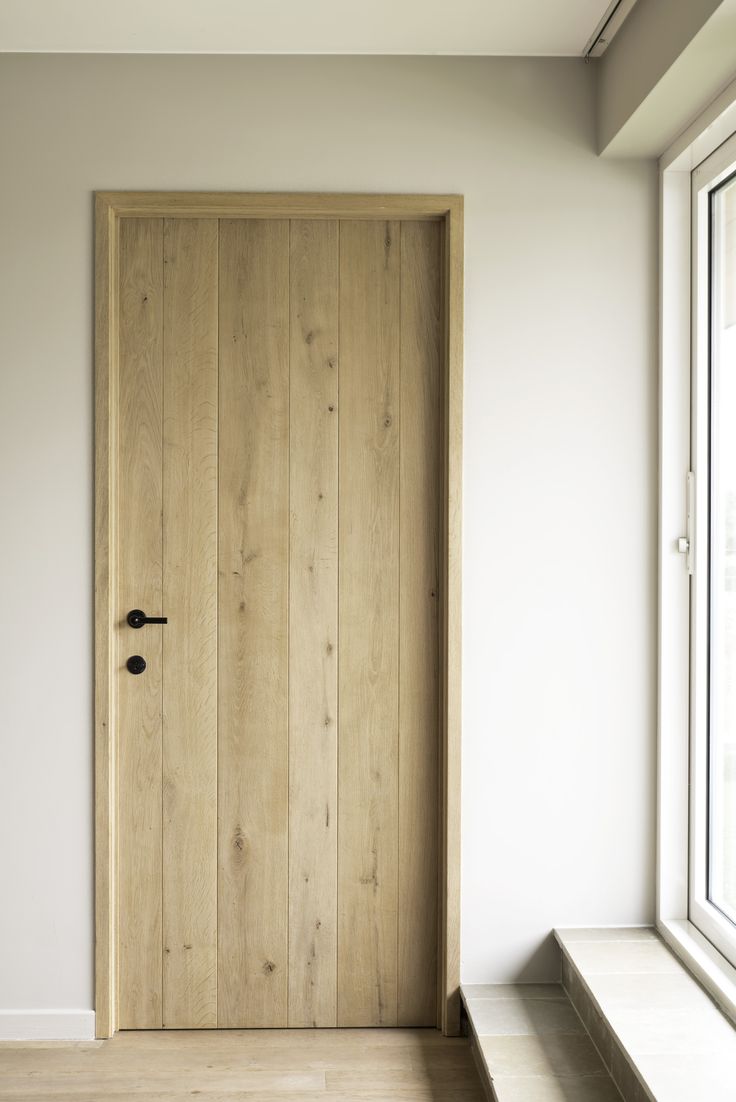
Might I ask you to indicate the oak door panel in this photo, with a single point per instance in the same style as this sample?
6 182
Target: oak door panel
253 623
313 712
190 637
139 494
419 627
368 622
279 501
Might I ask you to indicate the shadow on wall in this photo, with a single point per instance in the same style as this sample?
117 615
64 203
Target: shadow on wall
544 961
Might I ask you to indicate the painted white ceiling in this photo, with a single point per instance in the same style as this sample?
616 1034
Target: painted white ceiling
521 27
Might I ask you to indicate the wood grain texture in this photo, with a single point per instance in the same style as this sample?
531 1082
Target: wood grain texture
305 205
451 617
368 623
253 623
265 1065
190 637
419 812
451 681
139 559
113 210
313 711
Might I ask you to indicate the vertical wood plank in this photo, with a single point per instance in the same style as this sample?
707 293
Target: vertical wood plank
190 637
313 712
368 623
419 816
253 623
139 586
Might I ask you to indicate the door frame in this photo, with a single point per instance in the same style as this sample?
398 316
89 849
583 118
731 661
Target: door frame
111 207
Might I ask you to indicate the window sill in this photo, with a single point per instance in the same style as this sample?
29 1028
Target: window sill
708 966
656 1029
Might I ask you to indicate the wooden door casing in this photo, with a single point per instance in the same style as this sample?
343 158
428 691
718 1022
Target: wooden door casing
284 378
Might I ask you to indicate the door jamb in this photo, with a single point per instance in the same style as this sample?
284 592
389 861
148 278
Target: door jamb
111 207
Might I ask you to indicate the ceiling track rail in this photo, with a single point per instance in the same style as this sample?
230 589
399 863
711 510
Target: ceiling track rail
607 28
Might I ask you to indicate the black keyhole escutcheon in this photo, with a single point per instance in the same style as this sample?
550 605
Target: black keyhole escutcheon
136 663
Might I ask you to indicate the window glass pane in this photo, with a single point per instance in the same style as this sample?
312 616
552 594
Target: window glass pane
722 719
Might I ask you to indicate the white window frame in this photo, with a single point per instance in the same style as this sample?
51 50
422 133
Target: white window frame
703 914
681 917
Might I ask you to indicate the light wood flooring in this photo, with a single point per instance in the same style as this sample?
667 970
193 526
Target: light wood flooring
319 1065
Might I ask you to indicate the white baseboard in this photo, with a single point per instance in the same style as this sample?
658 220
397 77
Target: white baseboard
47 1025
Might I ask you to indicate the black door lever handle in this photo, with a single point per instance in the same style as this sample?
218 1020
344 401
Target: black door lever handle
137 618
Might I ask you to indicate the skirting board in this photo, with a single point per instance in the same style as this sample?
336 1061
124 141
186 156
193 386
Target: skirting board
47 1025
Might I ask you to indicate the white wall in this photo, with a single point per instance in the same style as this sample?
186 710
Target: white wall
560 435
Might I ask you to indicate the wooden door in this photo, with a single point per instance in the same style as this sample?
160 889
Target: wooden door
278 500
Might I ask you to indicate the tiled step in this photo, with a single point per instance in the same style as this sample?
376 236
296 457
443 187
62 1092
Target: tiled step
531 1046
